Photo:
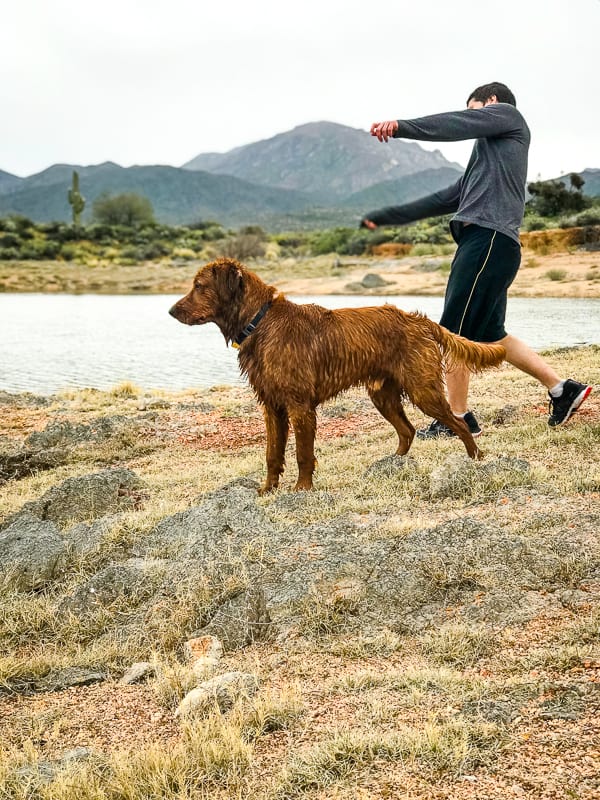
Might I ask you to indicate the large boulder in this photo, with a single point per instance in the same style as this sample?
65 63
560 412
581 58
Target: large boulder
87 497
123 585
32 553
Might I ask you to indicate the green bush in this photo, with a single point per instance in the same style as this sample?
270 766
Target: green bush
591 216
10 240
128 209
533 222
330 241
9 254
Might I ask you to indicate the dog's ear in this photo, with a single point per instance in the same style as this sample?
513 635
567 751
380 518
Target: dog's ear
234 279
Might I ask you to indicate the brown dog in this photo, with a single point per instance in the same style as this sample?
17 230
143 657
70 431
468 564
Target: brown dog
297 356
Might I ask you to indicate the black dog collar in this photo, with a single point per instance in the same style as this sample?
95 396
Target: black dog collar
251 326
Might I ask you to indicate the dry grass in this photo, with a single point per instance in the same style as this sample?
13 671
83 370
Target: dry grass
456 709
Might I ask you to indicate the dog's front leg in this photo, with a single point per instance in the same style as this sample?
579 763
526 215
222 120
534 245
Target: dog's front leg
277 425
304 423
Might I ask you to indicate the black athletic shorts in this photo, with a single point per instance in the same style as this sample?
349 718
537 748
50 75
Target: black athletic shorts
484 266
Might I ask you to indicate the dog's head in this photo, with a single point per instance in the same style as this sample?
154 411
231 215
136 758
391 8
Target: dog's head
226 293
218 287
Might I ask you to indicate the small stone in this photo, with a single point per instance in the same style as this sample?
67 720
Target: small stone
221 691
138 672
203 654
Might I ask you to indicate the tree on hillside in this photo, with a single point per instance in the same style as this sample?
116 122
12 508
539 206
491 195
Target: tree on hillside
128 209
552 198
576 181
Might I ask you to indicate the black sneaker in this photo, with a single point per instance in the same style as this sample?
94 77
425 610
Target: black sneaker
437 429
562 408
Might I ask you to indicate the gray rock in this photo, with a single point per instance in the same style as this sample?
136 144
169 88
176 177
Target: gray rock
459 474
63 433
61 679
130 583
24 399
355 286
223 691
83 539
44 772
390 466
372 281
227 517
88 497
32 553
138 672
21 463
430 265
241 620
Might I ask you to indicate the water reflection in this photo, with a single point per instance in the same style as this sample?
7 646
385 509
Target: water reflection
51 342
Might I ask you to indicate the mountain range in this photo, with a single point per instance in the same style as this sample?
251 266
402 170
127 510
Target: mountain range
317 175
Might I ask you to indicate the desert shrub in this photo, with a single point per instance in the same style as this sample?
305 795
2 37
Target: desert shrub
21 224
69 252
253 230
34 250
357 244
551 198
590 216
391 249
556 274
128 209
242 247
9 253
61 232
10 240
290 240
333 240
533 222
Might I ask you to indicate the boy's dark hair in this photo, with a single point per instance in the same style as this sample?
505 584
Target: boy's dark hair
501 90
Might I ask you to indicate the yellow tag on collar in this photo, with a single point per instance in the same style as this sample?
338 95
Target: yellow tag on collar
235 345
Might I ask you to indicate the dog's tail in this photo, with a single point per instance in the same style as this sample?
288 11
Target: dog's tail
460 351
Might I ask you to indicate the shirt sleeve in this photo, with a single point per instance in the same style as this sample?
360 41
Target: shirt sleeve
445 201
498 119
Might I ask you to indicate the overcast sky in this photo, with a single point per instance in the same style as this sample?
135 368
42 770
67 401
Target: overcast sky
160 81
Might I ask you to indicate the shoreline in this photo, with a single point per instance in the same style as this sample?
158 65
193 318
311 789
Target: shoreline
565 274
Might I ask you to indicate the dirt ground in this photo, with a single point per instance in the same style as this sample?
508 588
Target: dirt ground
581 277
563 274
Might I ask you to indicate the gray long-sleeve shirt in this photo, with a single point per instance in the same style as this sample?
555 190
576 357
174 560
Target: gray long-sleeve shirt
491 192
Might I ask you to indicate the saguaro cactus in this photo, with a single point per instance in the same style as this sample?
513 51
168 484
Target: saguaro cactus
76 200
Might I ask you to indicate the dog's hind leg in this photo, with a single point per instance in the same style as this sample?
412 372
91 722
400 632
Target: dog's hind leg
387 400
430 398
304 423
278 426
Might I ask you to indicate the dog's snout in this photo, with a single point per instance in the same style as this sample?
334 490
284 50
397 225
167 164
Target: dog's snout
173 311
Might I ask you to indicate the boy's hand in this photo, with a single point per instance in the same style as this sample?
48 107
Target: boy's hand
384 130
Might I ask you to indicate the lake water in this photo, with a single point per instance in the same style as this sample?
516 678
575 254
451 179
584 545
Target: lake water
53 342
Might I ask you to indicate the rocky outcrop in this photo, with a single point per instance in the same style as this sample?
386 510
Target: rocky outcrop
87 497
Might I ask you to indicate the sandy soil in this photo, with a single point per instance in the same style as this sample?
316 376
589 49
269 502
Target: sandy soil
564 274
406 276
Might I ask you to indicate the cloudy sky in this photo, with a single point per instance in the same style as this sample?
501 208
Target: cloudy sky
159 81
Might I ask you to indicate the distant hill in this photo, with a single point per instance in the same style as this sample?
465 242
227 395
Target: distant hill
317 175
403 190
324 159
8 182
178 196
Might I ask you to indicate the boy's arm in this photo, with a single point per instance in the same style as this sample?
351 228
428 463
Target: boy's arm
434 205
